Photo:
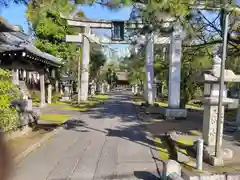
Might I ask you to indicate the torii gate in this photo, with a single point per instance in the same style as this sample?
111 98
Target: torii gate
174 39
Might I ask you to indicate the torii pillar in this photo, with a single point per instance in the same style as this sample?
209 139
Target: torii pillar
85 65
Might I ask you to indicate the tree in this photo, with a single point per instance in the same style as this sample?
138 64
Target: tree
111 76
193 61
50 30
135 66
96 63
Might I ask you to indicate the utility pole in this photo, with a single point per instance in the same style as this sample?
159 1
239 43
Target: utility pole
221 83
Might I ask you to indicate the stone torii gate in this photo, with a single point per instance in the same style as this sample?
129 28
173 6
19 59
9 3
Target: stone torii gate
174 39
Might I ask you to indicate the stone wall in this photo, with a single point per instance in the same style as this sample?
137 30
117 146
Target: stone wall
226 176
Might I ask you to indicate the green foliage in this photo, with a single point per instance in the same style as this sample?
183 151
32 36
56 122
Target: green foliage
8 92
135 65
97 61
50 30
111 76
193 61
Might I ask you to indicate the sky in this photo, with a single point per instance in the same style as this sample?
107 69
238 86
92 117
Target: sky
15 14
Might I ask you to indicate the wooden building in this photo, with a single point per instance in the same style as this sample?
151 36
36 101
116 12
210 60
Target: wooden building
31 68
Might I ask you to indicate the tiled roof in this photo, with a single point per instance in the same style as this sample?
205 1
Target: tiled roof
18 41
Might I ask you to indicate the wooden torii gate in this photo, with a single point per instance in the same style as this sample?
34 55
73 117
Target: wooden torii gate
174 39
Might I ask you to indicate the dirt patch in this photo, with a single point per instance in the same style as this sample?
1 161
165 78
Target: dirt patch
20 144
161 126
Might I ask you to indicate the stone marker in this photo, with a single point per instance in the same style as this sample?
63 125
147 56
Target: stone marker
174 176
171 166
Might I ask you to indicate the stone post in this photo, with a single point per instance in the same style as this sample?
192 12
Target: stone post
24 74
133 89
102 88
92 90
15 76
49 93
149 69
85 65
154 91
57 86
173 111
175 70
199 154
42 89
61 90
136 89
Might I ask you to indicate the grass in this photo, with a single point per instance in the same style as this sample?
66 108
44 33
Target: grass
138 99
36 104
56 118
165 152
83 106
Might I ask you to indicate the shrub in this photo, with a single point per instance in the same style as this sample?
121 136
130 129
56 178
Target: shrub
8 116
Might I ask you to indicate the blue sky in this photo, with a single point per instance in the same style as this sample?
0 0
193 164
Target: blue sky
15 14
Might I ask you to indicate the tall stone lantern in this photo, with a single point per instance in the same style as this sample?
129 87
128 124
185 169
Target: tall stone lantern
211 78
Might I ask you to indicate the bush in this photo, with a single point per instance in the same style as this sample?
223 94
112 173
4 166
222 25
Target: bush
8 116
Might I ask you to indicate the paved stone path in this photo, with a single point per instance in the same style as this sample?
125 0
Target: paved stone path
104 143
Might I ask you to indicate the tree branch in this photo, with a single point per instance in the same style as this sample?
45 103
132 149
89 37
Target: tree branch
205 44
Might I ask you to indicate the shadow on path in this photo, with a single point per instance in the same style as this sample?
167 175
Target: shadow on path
131 133
144 175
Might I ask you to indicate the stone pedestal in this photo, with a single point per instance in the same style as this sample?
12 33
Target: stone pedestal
171 113
210 124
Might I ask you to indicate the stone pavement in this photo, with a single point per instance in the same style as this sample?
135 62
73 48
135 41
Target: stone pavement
104 143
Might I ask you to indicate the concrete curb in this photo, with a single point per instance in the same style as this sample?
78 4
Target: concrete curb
33 147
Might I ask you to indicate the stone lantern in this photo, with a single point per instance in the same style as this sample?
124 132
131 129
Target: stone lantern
211 78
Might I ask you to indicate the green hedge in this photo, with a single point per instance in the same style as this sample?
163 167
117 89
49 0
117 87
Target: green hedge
8 116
